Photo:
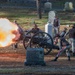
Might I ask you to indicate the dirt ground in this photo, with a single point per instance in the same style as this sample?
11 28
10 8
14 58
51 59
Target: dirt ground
12 63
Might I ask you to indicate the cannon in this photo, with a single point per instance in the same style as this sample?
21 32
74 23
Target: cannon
36 40
39 40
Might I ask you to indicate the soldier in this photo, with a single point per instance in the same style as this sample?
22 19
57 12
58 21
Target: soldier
35 28
20 30
65 46
56 26
60 35
72 38
21 34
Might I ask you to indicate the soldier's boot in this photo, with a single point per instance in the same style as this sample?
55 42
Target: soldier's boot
16 46
74 54
68 58
55 59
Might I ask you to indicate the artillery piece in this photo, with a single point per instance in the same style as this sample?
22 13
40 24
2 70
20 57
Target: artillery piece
39 40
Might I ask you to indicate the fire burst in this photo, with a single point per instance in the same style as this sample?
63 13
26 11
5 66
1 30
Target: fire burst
8 32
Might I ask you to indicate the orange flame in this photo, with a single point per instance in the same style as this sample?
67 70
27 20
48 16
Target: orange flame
8 32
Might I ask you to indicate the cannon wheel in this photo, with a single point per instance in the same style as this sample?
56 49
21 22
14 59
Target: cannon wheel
27 38
43 35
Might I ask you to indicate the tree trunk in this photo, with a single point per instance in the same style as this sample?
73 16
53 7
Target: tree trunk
38 3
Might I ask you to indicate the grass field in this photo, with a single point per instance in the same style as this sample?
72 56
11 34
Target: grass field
25 17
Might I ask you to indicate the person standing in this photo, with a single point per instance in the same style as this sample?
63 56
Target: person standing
72 38
21 32
56 26
35 28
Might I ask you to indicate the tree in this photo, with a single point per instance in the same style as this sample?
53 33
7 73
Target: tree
38 4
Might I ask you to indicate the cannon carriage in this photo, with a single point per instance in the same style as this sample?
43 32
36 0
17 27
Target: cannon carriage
38 40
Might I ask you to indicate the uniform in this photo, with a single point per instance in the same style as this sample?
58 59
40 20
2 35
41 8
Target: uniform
64 46
72 39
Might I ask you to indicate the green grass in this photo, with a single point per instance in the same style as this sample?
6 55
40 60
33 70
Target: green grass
25 17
